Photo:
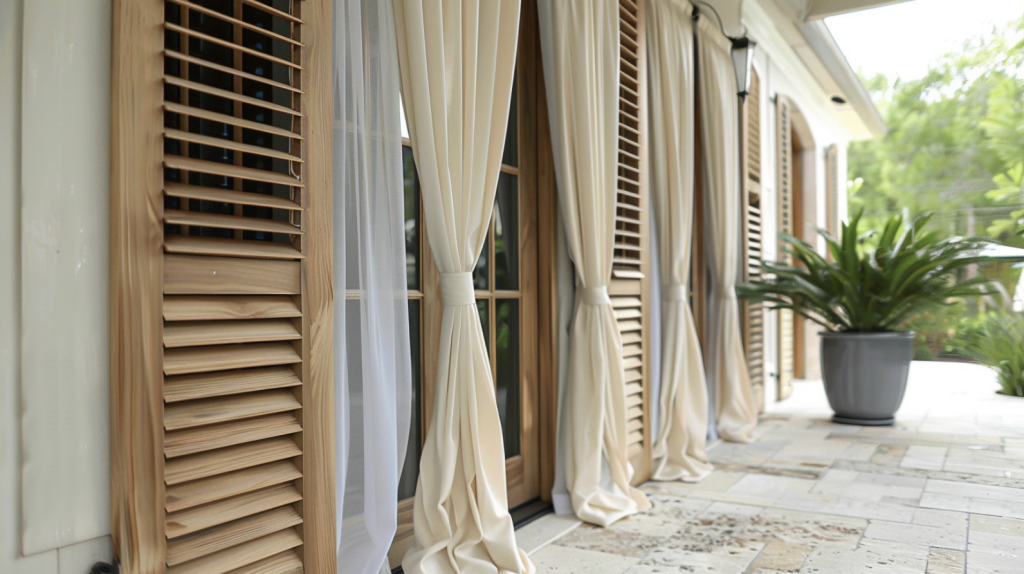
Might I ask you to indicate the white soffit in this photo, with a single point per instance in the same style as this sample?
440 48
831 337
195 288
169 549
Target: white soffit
818 9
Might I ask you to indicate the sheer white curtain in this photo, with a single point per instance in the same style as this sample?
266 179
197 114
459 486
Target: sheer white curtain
372 362
580 47
678 451
727 365
457 62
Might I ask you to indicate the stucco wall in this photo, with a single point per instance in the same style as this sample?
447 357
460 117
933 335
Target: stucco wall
54 164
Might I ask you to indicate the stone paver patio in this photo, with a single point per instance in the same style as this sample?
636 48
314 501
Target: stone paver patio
941 492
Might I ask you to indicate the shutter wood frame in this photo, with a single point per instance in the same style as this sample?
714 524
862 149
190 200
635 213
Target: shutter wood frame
629 286
138 250
752 316
785 209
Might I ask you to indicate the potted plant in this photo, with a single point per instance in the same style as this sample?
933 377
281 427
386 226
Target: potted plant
863 297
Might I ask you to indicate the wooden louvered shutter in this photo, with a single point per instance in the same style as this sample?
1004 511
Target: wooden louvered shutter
784 171
221 302
753 315
832 190
628 287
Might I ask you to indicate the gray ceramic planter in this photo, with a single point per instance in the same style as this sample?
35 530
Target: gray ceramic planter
866 375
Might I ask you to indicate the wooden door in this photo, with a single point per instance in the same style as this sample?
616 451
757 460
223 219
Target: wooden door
221 292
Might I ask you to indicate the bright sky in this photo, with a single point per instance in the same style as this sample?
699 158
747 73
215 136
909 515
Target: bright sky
903 39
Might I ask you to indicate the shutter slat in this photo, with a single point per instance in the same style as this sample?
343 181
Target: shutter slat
214 141
186 361
230 45
214 410
213 307
257 4
237 22
204 438
216 220
231 534
224 247
196 333
199 492
196 86
189 387
230 120
194 275
283 563
229 70
221 195
229 170
235 557
186 522
220 461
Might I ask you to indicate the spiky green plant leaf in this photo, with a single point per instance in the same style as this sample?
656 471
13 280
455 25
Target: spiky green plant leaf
870 290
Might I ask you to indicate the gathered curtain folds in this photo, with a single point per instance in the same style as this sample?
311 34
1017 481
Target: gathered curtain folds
678 450
727 366
580 48
371 322
457 62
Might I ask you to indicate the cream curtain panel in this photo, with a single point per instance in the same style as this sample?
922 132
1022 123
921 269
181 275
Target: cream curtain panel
457 62
727 365
678 449
580 47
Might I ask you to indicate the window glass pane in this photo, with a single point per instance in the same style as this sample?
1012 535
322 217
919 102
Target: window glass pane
482 307
411 470
405 126
506 373
506 233
412 219
481 280
511 152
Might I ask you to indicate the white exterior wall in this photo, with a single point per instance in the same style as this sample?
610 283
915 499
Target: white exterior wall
54 277
783 73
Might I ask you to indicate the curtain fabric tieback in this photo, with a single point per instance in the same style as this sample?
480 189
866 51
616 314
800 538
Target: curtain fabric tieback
457 289
675 293
595 296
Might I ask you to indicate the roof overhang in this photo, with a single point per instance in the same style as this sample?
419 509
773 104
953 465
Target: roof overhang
824 46
821 57
818 9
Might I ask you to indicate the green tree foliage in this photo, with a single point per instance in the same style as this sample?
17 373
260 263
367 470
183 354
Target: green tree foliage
955 148
955 145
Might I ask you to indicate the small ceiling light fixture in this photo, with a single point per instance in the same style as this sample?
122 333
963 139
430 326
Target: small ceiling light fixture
838 100
742 52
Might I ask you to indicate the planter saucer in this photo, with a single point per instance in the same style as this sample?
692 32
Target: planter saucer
864 422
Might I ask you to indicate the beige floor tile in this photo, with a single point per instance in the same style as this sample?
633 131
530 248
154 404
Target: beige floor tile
981 561
954 537
871 556
721 560
542 531
555 559
946 561
781 556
